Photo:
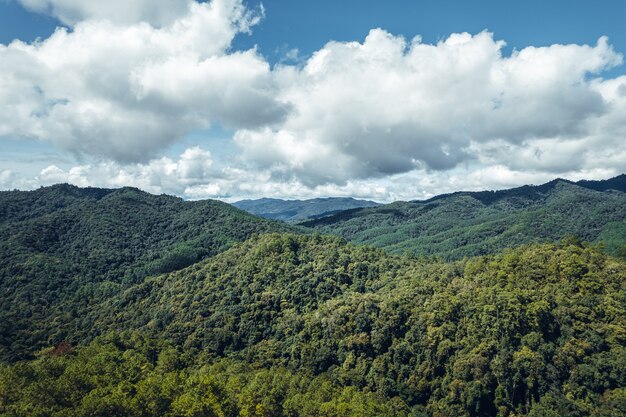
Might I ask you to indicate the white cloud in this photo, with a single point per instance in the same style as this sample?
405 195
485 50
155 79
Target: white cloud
126 92
388 106
193 175
155 12
192 168
6 178
387 118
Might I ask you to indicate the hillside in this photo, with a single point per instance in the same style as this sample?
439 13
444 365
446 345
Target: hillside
64 248
299 210
534 331
474 223
126 303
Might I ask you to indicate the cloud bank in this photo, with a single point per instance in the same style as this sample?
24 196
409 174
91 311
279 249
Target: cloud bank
70 12
387 106
385 118
125 92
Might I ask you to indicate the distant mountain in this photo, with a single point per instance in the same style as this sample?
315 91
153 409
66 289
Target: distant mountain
63 248
298 210
617 183
474 223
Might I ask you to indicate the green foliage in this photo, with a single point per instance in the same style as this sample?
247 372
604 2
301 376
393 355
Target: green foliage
64 249
123 375
241 323
307 325
536 328
470 224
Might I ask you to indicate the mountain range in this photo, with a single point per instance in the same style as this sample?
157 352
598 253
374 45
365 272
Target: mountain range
475 223
119 302
298 210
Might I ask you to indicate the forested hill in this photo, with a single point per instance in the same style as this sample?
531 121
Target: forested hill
312 326
131 304
473 223
62 248
616 183
299 210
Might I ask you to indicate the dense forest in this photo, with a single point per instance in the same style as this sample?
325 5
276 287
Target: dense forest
63 249
129 375
263 320
292 211
477 223
534 330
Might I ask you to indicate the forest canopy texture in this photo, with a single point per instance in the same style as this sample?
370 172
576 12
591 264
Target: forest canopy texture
116 302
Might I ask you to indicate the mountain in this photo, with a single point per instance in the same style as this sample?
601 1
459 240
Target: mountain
63 249
617 183
474 223
294 325
298 210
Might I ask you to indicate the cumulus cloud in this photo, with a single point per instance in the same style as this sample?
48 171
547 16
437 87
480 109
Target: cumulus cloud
70 12
388 106
386 118
6 178
193 167
195 175
124 92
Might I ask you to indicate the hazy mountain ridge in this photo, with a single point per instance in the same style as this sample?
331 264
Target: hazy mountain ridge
537 191
298 210
474 223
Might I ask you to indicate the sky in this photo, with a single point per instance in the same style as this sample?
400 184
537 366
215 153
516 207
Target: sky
394 100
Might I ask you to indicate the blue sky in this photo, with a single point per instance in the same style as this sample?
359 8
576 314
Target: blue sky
266 148
307 26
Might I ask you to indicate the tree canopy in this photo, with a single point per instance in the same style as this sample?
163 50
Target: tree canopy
96 319
477 223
